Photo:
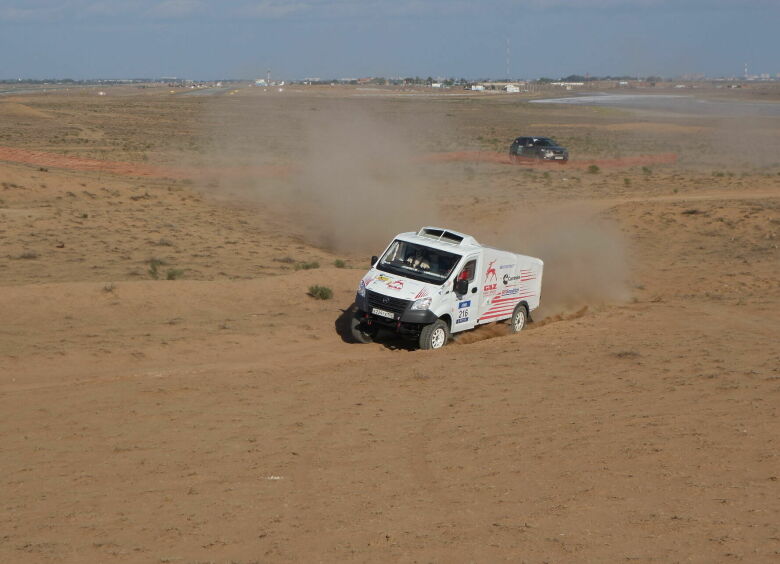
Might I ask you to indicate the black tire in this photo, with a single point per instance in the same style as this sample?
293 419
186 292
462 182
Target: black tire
518 319
434 336
358 332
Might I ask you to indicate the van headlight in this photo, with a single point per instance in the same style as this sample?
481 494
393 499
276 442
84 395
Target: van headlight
422 303
361 289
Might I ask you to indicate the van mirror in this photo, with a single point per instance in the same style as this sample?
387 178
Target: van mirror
461 287
374 259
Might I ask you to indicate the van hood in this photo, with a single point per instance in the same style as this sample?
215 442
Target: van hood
397 286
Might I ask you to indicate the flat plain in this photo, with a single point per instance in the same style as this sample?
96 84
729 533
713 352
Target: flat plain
169 392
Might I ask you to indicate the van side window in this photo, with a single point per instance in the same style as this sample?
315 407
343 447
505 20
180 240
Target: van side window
467 273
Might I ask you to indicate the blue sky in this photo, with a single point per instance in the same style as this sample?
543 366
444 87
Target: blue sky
205 39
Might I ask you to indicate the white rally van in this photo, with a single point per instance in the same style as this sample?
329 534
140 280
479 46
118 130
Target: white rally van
436 282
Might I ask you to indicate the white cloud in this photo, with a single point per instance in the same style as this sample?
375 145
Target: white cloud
80 10
273 9
32 11
176 9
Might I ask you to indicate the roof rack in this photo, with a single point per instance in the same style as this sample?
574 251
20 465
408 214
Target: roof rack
447 236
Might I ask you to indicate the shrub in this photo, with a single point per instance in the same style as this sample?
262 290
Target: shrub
594 169
173 274
338 263
320 292
154 265
307 265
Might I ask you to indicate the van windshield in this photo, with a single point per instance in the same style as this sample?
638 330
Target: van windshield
418 262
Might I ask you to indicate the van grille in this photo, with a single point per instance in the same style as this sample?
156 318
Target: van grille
395 305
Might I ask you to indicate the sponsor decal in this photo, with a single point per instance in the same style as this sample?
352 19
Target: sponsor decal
490 287
467 303
383 278
396 285
503 266
510 291
462 320
508 279
490 273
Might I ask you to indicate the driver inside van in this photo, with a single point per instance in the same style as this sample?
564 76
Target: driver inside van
419 260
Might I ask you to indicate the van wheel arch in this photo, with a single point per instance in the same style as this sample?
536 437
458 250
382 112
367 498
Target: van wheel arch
519 318
527 311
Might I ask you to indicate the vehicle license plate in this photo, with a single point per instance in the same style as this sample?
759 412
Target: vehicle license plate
382 313
559 158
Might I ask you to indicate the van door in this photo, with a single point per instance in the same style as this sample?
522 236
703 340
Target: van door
465 307
489 284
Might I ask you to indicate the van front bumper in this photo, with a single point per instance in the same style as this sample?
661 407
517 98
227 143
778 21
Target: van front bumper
408 316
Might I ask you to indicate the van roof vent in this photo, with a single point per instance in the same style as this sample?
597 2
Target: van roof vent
447 236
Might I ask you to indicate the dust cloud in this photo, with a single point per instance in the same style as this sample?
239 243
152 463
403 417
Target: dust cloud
360 173
347 177
481 333
584 254
353 181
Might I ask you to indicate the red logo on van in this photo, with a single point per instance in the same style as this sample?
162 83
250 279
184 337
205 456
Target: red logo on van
396 285
491 271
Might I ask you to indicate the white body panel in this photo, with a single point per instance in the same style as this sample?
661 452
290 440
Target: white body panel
499 281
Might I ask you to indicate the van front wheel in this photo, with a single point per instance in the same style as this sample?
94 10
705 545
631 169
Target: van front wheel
359 332
434 336
517 321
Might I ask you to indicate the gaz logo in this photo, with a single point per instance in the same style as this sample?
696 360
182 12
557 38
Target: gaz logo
491 271
490 287
467 303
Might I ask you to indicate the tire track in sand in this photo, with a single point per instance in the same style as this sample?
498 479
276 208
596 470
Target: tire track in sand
70 162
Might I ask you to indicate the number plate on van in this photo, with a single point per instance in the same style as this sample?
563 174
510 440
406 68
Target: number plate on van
382 313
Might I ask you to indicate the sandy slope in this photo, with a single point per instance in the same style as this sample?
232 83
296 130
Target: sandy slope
222 416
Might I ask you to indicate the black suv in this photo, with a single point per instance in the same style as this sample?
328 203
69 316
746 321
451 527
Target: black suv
538 148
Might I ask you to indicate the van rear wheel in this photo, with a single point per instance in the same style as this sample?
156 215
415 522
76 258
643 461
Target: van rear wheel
434 336
517 321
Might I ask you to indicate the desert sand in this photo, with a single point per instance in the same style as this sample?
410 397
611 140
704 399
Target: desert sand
169 392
